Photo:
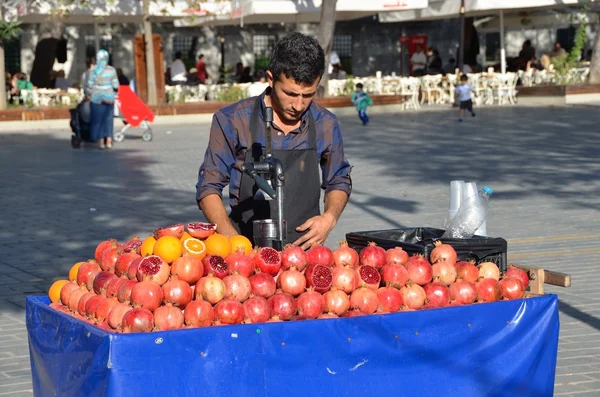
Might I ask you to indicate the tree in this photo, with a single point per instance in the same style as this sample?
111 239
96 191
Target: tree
325 37
595 66
150 72
8 30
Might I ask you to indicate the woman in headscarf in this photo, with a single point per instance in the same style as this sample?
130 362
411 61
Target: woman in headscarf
102 84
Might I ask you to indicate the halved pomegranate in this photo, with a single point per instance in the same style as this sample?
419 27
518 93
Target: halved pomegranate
201 230
173 230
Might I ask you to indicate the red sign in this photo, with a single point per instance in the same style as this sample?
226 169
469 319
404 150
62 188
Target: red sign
409 45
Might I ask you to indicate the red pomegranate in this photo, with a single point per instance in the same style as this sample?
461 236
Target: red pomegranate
201 230
102 246
467 271
92 304
188 268
283 305
489 270
133 268
229 311
216 265
103 309
396 256
310 304
463 292
442 253
328 315
85 270
115 317
177 292
212 289
113 287
293 255
419 271
267 260
320 255
444 272
521 274
173 230
390 299
198 313
365 300
123 262
90 281
512 288
109 258
240 262
437 295
137 320
369 277
488 290
263 284
124 291
336 302
352 313
153 268
394 275
372 255
345 255
413 296
66 291
319 277
83 301
147 295
292 282
256 310
167 318
75 296
133 246
345 278
238 287
102 281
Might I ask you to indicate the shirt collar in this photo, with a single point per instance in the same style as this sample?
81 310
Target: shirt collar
303 123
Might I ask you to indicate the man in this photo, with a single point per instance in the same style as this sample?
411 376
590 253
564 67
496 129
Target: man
304 136
178 71
201 69
418 60
557 51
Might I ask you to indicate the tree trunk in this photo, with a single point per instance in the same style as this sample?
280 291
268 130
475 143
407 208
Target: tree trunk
325 37
2 71
150 71
595 66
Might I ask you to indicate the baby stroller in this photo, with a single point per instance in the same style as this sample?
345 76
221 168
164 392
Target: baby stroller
80 124
134 113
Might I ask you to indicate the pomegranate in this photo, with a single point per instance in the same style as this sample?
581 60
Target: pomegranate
292 282
467 271
238 287
153 268
353 313
124 291
373 255
147 295
101 282
463 292
176 292
113 287
90 281
293 255
275 319
137 320
229 311
123 262
75 296
345 278
488 290
188 268
109 258
83 301
133 268
256 310
328 315
396 256
85 270
365 300
102 246
201 230
442 253
310 304
390 299
437 294
66 291
512 288
104 308
369 277
320 255
336 302
216 265
489 270
419 271
92 304
267 260
319 277
413 296
212 289
198 313
263 284
133 246
345 255
283 305
521 274
173 230
115 317
444 272
241 263
394 275
167 318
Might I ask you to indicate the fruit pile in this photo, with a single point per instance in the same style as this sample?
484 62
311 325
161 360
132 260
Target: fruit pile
196 278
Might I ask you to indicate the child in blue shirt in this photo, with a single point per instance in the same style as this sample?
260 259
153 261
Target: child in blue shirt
361 100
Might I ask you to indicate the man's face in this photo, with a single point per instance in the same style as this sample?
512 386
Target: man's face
289 98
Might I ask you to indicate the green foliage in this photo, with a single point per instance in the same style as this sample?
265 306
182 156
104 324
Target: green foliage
349 86
578 45
232 93
565 63
10 30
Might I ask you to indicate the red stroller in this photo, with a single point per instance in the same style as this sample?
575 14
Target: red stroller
134 113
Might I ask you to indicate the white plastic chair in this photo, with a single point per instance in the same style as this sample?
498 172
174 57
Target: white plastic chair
431 85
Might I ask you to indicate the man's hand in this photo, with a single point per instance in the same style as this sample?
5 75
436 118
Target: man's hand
318 228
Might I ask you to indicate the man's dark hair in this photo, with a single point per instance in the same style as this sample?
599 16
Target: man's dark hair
464 77
359 85
200 56
178 55
527 43
298 57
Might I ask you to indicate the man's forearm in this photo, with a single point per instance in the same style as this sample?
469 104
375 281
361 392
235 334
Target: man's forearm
214 211
335 202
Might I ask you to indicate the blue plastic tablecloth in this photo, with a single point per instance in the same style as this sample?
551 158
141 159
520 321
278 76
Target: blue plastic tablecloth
506 348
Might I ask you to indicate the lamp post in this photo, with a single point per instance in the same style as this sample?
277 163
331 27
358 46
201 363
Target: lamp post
223 53
461 48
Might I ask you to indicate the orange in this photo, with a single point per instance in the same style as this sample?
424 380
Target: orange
168 248
195 247
218 244
73 271
184 237
54 291
240 242
147 247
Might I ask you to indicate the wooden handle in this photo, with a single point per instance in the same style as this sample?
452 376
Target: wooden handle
538 277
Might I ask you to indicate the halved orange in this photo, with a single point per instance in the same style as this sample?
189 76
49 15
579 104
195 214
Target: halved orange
184 237
74 270
240 242
54 291
195 247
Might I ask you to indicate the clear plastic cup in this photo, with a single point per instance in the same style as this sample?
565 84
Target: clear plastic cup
456 188
470 189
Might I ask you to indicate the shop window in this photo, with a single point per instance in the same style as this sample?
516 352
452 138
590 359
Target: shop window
106 43
492 47
12 56
342 45
262 45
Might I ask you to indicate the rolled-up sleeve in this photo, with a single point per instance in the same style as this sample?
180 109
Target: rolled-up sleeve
336 169
219 158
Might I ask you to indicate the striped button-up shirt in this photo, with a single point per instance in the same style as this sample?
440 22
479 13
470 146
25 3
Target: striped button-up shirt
230 136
